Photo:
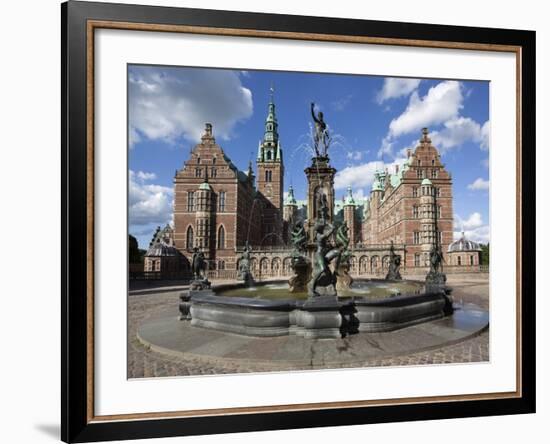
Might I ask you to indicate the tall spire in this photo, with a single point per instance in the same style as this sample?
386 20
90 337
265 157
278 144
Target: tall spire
290 199
269 149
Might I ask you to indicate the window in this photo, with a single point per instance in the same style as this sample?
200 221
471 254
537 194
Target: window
433 162
416 237
221 203
459 260
439 211
434 174
198 172
214 161
415 192
191 201
268 176
471 260
268 155
438 192
221 265
415 211
417 259
198 160
213 172
221 237
157 265
190 238
419 162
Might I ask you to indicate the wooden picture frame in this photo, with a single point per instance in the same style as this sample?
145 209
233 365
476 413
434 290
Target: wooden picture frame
79 22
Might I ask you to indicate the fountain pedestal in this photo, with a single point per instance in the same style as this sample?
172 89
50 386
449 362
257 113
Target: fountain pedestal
319 317
320 180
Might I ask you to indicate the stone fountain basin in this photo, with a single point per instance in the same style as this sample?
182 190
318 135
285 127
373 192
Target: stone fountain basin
322 317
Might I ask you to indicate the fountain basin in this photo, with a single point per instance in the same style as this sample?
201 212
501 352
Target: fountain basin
323 317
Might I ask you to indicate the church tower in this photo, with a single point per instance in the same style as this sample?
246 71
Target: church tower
349 217
270 160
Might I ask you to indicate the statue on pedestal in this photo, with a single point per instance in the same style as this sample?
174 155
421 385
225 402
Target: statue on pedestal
436 279
244 266
198 267
321 138
395 264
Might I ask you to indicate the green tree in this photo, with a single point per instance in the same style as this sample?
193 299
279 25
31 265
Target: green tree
484 254
135 255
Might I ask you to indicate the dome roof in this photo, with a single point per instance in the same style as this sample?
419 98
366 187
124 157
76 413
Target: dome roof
463 244
162 249
426 181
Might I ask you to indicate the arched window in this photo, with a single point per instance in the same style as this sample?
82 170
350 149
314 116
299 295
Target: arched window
268 176
221 265
269 155
190 238
221 237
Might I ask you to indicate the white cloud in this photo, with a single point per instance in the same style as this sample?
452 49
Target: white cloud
148 203
479 184
458 131
485 135
474 221
473 227
441 103
145 176
396 87
167 103
360 176
480 235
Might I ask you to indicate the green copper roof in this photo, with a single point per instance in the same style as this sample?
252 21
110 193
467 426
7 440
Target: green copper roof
349 198
377 184
426 181
290 200
205 186
269 149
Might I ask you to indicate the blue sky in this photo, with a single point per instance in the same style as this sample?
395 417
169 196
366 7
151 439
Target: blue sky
372 119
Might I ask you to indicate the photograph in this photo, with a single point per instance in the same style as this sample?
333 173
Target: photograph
290 221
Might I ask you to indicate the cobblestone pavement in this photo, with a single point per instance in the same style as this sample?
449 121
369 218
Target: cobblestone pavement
143 362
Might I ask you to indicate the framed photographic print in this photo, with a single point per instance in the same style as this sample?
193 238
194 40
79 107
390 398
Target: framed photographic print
277 221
